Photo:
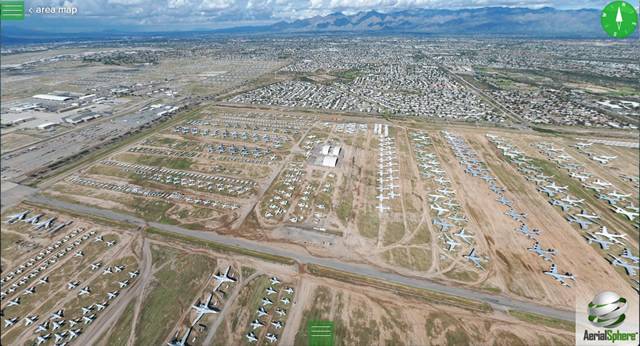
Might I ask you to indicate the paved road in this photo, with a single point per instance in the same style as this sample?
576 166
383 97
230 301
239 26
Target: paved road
498 302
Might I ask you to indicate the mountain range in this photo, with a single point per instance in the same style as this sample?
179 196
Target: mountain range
544 22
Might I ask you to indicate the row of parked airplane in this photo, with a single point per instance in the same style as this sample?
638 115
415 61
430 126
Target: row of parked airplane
387 168
619 203
442 198
560 197
262 312
48 224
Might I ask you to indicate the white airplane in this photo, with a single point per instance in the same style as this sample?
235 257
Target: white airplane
73 333
107 270
555 187
203 308
79 254
58 315
285 301
585 214
281 312
473 258
601 183
86 309
572 201
95 266
73 322
435 198
274 281
33 220
289 290
277 324
42 338
57 324
582 177
45 224
112 295
382 208
439 210
465 237
222 278
553 272
88 319
452 243
134 274
600 159
272 338
30 290
72 284
59 336
123 284
18 217
628 267
261 312
30 319
629 214
617 195
111 243
118 268
626 253
42 327
592 238
256 324
266 301
613 237
270 290
84 291
252 337
181 342
381 197
98 238
43 280
102 306
583 144
546 254
10 322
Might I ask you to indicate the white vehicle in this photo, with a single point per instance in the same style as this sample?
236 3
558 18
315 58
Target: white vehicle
222 278
256 324
251 337
42 338
452 243
472 257
553 272
631 215
270 290
464 236
272 338
546 254
204 308
628 267
613 237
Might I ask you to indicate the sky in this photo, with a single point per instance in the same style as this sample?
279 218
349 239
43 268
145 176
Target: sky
173 15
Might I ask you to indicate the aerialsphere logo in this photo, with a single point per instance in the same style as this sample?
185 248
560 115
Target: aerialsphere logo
607 310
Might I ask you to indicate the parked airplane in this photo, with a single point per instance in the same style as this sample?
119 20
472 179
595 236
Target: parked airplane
382 208
58 315
30 290
515 215
281 312
626 253
84 291
452 243
72 284
101 306
42 338
271 337
277 324
584 224
434 198
465 237
10 322
444 226
556 188
256 324
602 183
43 280
473 258
270 290
133 274
546 254
564 206
592 238
88 319
285 301
181 342
572 201
614 237
439 210
251 337
111 243
629 214
289 290
57 324
42 327
261 312
530 233
29 320
585 214
617 195
275 281
18 217
204 308
628 267
553 272
123 284
266 301
222 278
504 201
59 336
112 295
74 333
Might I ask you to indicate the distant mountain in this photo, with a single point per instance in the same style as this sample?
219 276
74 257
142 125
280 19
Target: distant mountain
488 21
543 22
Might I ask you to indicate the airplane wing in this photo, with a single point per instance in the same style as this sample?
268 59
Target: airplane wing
209 299
554 269
200 314
218 284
